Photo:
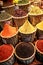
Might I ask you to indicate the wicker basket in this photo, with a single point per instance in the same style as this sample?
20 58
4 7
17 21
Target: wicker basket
9 7
39 54
20 20
27 60
34 19
9 60
25 6
27 37
3 19
39 34
10 39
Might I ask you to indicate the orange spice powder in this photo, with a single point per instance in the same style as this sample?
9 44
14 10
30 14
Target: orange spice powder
8 30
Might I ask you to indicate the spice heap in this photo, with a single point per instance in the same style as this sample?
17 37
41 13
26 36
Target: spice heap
26 28
40 25
24 50
4 15
35 10
19 13
40 45
8 30
5 51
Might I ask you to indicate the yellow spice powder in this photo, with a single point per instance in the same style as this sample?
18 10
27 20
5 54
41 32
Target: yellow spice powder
26 28
35 10
40 25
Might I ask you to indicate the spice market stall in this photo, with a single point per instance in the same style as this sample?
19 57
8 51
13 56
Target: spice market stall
21 32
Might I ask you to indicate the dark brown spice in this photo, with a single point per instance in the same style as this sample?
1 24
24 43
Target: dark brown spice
24 50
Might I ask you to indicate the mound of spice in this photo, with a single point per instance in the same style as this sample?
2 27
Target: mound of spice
4 15
26 28
5 51
19 13
40 25
8 30
24 50
40 45
35 10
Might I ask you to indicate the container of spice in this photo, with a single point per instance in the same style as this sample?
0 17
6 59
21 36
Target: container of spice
7 54
20 16
35 14
5 18
25 52
27 32
40 30
23 4
39 50
9 34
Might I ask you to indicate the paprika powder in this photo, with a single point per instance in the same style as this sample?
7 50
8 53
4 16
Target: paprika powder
8 30
40 45
5 51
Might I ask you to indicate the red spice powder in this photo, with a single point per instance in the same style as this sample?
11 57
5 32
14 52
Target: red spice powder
8 30
5 51
40 45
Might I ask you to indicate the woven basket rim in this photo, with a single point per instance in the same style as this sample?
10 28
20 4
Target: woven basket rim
8 36
35 14
25 58
20 17
18 5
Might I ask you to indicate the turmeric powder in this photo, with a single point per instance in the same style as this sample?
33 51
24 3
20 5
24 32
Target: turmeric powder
35 10
40 25
26 28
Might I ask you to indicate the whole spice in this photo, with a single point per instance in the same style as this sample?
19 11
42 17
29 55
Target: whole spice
5 51
19 13
8 30
24 50
40 45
